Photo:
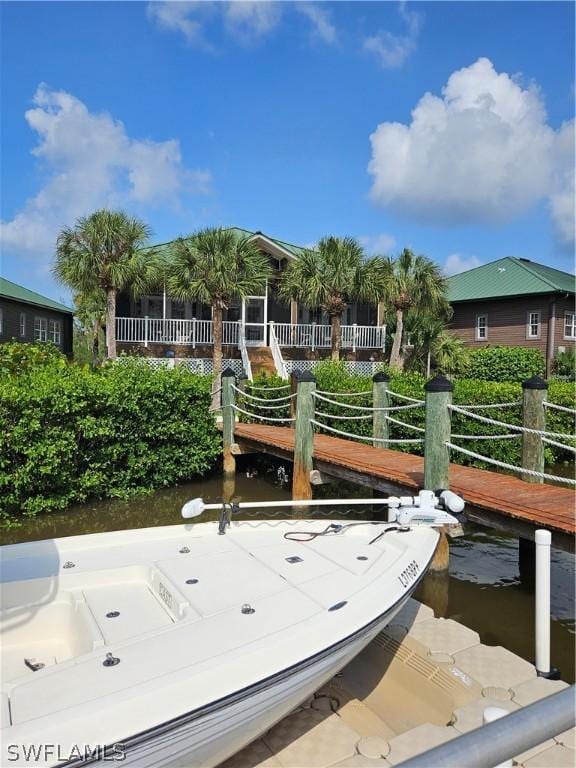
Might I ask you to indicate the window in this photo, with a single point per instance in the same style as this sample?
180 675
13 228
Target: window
40 329
533 325
481 327
54 331
22 323
570 325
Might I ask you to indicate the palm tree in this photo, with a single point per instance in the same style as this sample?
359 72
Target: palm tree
214 266
416 283
90 311
450 354
100 252
330 277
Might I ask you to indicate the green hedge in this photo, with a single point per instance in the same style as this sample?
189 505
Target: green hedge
505 364
68 434
334 377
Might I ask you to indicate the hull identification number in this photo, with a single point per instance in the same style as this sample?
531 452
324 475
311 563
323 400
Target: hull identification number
409 574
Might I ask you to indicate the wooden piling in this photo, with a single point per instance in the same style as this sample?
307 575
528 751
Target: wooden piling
437 433
380 399
294 392
228 419
533 417
304 437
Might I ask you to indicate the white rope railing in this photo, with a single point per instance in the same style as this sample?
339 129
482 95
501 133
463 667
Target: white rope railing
259 415
487 437
405 397
365 437
404 424
504 465
515 427
570 448
336 416
345 394
557 407
262 399
271 407
363 407
493 405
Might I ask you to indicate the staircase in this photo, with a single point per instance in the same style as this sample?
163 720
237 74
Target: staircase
261 360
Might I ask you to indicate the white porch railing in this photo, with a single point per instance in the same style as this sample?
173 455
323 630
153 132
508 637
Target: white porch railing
277 353
244 353
315 336
147 330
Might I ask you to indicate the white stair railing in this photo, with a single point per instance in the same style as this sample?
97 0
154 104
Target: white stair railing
243 350
277 353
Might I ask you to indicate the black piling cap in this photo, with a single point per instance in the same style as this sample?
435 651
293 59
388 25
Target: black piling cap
536 382
227 373
242 376
439 384
306 376
381 376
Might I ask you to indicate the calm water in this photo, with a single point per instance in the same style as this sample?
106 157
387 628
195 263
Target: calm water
482 589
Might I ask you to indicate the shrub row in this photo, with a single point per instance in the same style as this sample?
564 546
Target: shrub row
68 434
334 377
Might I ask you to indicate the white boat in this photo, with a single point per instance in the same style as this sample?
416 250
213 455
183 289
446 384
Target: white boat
176 646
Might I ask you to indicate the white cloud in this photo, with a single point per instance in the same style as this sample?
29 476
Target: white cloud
89 161
458 262
482 153
322 26
378 244
392 51
248 20
180 17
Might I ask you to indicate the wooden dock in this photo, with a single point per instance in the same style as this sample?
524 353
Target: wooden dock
499 500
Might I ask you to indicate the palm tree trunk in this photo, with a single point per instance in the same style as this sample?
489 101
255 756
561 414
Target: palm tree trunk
217 339
95 342
111 323
336 321
395 354
428 356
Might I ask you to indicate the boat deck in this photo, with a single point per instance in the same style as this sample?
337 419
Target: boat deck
422 681
499 500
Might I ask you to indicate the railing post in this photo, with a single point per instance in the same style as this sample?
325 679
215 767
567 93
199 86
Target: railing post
294 392
193 333
313 336
354 337
533 417
380 399
437 433
271 332
304 437
228 419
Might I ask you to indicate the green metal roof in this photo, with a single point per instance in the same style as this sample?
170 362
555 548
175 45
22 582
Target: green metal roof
294 250
508 277
11 290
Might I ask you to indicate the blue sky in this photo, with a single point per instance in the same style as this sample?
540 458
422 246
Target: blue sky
444 127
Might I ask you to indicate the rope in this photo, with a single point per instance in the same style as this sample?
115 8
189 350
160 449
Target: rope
516 427
262 399
269 389
333 416
345 394
364 408
405 397
272 407
558 407
570 448
486 437
259 416
403 424
493 405
363 437
503 464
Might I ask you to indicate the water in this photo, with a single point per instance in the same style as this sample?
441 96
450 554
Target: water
482 589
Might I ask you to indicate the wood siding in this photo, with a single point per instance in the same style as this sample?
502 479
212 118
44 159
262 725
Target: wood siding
508 321
11 311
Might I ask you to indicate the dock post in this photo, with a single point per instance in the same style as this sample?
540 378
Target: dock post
304 437
543 541
533 417
228 419
437 433
294 392
380 400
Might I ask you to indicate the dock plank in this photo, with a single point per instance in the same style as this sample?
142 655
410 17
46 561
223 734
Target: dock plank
537 505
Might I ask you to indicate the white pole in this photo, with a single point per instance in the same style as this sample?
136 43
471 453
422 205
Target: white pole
491 714
146 331
543 540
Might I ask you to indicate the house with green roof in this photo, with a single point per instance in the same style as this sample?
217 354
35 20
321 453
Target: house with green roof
260 332
28 316
514 302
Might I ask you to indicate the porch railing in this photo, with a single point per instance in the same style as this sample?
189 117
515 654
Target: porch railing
277 353
316 336
147 330
244 352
